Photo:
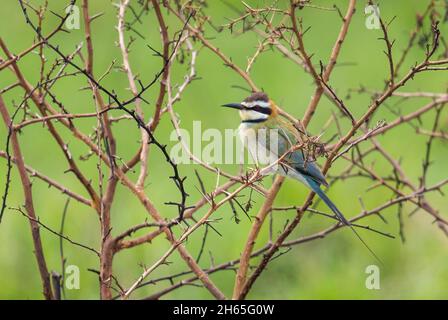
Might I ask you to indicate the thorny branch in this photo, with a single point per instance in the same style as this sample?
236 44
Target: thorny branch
185 29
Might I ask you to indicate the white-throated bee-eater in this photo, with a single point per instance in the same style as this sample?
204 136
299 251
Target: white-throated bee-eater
265 133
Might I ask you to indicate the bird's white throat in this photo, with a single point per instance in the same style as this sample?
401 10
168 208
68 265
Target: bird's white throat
250 115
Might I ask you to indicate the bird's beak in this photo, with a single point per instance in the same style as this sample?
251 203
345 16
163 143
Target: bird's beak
238 106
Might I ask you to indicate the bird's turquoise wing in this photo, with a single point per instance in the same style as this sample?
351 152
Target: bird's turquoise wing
296 159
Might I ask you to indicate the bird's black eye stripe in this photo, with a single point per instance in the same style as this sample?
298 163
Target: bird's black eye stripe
260 109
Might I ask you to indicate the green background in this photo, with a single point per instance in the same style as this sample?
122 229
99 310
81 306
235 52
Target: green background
328 268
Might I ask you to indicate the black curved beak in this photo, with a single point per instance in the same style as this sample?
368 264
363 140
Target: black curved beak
238 106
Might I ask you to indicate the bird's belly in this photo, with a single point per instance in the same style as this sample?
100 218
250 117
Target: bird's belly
292 173
259 147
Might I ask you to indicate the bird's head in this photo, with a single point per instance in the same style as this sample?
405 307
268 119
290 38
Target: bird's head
255 108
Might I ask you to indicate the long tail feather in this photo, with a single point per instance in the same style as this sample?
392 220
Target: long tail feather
316 188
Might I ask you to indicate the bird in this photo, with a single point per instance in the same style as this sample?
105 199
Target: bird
271 139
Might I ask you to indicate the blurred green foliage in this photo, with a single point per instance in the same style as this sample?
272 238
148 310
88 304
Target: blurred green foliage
328 268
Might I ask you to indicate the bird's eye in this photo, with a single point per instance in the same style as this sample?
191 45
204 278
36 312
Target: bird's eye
260 109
